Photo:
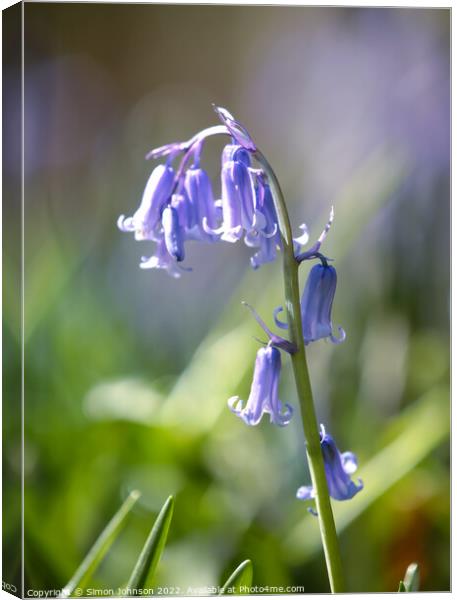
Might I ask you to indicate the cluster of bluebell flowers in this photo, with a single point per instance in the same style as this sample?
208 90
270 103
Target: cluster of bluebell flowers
179 204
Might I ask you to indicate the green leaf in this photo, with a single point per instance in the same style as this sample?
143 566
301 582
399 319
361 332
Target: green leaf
152 550
411 578
101 547
239 579
401 587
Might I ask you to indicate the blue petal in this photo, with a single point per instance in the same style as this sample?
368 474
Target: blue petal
306 492
173 233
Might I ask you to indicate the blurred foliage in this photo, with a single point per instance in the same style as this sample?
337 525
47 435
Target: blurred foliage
411 581
127 373
239 580
101 547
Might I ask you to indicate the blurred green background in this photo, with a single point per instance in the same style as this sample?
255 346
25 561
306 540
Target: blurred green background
127 373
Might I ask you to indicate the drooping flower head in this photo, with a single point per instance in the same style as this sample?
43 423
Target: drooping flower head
264 398
316 305
178 203
338 470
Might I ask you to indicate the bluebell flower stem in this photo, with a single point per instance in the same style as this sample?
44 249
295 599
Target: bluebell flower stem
303 384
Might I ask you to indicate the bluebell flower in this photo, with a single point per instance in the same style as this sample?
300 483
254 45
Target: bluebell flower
338 470
264 398
237 196
266 238
316 305
158 190
202 206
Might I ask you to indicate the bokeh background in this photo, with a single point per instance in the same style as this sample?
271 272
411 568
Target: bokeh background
128 372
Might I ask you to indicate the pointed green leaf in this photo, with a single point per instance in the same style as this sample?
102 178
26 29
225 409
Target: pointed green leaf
101 547
401 587
152 550
239 580
411 579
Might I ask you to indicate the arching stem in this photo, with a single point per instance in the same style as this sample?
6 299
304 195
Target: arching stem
303 384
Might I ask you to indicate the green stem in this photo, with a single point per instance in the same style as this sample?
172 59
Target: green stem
303 384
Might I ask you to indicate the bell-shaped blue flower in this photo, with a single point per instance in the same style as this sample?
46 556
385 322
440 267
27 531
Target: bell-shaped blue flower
263 397
199 191
237 196
339 466
266 238
316 305
156 193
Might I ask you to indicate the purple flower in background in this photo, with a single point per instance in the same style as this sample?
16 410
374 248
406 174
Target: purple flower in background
338 470
263 397
316 305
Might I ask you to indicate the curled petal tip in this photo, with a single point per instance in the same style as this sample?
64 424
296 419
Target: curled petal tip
233 403
209 230
283 419
349 461
232 235
302 239
125 223
305 492
341 338
269 234
279 323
